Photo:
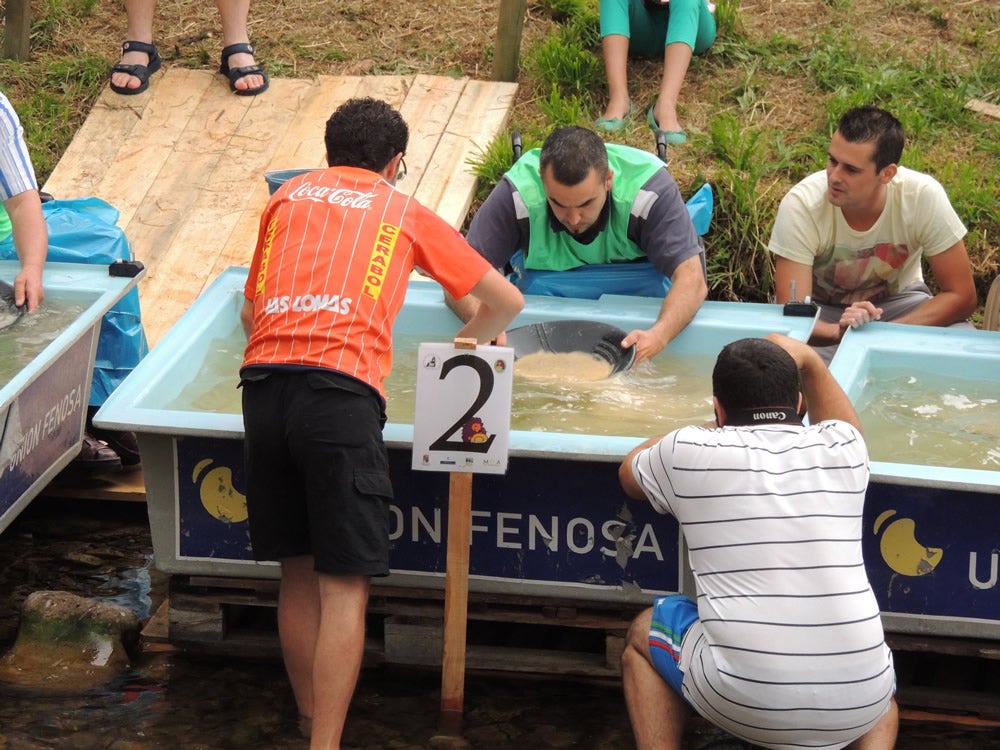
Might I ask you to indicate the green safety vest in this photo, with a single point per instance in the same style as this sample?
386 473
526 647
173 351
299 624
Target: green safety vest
5 228
560 251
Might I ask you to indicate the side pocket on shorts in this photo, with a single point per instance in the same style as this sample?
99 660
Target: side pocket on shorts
375 483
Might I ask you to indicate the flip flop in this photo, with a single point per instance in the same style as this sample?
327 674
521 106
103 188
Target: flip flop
673 137
235 74
10 313
142 72
614 124
565 336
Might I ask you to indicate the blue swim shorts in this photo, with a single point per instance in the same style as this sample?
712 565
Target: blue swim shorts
672 616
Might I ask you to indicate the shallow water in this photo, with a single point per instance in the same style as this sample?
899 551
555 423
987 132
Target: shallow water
651 398
181 701
22 341
920 418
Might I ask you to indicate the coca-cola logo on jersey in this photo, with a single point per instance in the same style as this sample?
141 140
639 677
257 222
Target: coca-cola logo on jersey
334 196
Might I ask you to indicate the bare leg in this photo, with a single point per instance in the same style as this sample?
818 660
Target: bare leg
339 650
615 49
298 626
883 735
676 59
233 15
140 29
657 713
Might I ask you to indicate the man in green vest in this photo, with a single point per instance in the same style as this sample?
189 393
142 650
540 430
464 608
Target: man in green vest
581 218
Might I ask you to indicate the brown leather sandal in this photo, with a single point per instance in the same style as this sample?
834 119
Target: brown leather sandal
95 455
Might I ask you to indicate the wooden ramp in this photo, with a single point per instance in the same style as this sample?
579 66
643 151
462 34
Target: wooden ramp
184 162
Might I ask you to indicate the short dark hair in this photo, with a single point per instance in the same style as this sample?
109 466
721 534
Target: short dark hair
572 152
365 133
752 373
870 124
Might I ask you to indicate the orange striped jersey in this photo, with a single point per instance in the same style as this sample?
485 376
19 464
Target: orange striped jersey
328 277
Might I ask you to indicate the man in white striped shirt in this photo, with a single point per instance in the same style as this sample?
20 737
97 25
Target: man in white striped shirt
785 647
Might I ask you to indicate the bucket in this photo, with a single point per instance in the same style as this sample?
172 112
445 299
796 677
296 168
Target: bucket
277 178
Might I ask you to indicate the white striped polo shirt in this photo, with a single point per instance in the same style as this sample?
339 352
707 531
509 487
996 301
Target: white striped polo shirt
789 650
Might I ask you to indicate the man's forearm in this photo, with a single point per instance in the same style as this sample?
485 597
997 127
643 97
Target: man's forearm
687 291
464 308
31 235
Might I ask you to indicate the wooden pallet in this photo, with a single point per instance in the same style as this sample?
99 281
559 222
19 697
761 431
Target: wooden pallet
505 633
939 679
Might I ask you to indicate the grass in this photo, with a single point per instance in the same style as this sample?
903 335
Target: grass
759 106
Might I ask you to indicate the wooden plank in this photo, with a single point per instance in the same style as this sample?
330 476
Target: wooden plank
984 108
169 205
195 619
198 145
83 165
157 627
216 204
301 145
104 485
981 704
130 175
481 113
427 110
932 644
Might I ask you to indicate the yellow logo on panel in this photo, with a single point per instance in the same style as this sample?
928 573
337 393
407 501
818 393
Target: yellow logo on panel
217 493
901 550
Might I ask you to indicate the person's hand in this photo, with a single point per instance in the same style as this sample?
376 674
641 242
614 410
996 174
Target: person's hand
647 344
857 314
501 339
28 288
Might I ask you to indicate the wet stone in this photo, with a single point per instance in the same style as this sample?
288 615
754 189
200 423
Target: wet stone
69 643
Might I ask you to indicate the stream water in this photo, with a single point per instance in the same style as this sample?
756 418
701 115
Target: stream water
184 701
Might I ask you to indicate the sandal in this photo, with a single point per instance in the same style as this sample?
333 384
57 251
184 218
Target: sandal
142 72
673 137
95 455
124 444
235 74
614 124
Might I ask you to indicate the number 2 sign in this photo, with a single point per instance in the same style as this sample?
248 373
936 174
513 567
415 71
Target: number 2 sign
462 418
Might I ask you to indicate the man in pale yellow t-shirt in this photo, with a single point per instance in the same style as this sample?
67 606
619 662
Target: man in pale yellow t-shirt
852 237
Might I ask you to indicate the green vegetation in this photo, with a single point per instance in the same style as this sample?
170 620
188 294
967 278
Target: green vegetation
759 106
772 104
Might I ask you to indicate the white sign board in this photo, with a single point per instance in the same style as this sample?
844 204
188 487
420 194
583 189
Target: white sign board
462 418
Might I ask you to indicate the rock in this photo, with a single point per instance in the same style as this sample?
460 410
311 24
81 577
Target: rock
67 643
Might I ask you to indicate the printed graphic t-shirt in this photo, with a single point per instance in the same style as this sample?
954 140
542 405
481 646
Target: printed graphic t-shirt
851 266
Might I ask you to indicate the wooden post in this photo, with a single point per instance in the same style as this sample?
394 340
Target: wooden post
456 594
507 50
17 27
456 603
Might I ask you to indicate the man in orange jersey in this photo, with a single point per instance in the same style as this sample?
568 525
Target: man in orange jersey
328 277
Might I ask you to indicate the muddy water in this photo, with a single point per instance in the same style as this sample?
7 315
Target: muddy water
179 701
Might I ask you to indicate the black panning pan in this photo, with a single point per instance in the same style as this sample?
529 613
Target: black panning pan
565 336
9 311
